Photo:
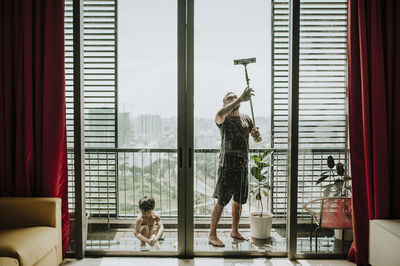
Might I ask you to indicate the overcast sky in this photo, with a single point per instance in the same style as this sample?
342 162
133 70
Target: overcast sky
224 30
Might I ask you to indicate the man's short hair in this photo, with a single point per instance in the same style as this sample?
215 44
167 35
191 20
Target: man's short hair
146 204
226 96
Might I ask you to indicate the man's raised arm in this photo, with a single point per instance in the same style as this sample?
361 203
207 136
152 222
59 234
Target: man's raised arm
230 106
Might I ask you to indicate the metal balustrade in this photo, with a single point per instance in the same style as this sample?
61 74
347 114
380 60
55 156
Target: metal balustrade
117 178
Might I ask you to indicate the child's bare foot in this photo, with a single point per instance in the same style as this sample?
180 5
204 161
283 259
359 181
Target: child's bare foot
152 240
239 236
215 241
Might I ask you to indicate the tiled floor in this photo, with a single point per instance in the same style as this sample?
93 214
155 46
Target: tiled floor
201 262
124 240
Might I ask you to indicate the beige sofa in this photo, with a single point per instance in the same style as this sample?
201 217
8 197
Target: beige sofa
30 231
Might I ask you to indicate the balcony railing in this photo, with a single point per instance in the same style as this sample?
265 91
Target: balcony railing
117 178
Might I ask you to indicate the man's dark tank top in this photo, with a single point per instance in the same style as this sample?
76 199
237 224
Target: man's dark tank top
235 141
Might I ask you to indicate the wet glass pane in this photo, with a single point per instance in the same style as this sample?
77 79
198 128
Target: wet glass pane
324 210
131 125
224 182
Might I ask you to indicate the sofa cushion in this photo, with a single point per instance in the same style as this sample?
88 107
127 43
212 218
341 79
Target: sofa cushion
29 244
49 260
7 261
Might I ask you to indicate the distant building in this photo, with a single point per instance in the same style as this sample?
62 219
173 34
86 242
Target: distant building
148 128
125 130
207 139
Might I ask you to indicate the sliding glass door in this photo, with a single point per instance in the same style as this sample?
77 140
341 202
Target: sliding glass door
130 125
158 79
226 186
324 214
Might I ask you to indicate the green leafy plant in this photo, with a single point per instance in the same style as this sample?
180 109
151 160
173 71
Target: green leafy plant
260 171
340 180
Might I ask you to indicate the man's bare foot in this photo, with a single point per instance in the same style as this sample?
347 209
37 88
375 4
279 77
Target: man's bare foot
143 246
214 240
239 236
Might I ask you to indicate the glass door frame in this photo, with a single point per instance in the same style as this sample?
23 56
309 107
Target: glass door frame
185 94
185 139
185 129
186 121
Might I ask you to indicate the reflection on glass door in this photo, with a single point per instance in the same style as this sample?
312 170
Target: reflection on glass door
238 205
131 172
324 224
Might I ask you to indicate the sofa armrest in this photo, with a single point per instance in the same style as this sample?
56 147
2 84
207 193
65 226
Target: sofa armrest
29 211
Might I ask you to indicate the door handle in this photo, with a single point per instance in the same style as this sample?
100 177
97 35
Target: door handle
190 157
180 159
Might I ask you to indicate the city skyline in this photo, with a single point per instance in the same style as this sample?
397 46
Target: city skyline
154 131
147 71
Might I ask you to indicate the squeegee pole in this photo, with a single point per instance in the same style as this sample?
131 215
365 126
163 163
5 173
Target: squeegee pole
251 103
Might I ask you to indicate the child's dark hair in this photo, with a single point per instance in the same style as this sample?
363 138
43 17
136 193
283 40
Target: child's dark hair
146 204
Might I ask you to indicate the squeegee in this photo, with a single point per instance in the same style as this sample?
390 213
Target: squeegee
245 62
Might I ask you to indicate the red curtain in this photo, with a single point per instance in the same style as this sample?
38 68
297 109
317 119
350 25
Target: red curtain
33 154
374 115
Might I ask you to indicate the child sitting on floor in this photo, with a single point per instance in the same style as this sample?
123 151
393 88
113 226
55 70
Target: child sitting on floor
149 228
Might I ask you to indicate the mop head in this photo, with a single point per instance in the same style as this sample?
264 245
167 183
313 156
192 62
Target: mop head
245 61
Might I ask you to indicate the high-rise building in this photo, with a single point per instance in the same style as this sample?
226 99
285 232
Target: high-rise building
148 127
125 130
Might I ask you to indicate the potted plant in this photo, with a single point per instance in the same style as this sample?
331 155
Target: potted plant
261 222
338 187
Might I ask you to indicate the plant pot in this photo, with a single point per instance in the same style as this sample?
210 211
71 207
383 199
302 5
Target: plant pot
347 235
261 226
